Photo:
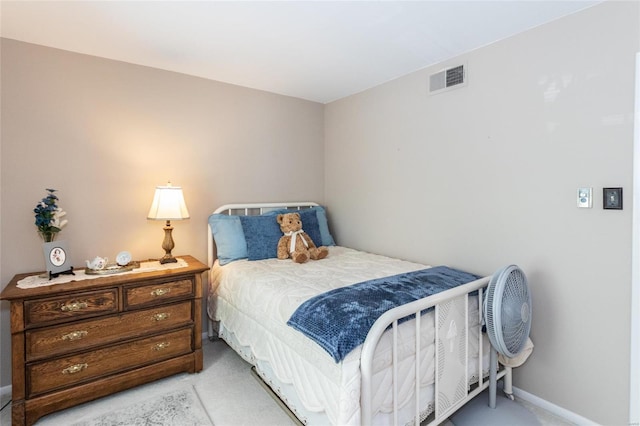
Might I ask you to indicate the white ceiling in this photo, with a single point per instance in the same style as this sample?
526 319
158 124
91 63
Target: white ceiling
316 50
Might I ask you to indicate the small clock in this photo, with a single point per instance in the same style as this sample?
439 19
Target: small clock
123 258
56 256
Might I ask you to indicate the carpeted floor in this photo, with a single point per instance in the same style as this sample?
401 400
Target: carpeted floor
478 413
228 392
176 407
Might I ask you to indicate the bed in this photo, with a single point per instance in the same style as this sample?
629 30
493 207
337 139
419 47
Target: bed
410 369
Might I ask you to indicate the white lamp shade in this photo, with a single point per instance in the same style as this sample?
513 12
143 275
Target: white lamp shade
168 204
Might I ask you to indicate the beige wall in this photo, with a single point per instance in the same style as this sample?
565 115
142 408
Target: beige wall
486 175
105 133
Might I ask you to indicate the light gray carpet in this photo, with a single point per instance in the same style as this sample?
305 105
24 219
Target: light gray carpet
230 395
178 407
478 413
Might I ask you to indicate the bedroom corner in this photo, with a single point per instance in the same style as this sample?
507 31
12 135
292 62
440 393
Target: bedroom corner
476 177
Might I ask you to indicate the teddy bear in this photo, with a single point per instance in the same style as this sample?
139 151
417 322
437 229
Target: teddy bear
296 243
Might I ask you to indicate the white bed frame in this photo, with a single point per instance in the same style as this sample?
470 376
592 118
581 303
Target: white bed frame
451 319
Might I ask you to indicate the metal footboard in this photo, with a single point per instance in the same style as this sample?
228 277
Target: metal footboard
452 355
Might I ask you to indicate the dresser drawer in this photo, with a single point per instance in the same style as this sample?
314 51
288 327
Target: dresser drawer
50 375
158 292
71 307
62 339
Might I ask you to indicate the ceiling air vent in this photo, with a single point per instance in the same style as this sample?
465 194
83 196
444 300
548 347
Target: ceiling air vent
447 79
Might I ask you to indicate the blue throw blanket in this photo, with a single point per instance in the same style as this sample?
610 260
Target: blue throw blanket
340 319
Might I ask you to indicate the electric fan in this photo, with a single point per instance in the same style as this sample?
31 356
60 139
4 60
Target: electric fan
507 314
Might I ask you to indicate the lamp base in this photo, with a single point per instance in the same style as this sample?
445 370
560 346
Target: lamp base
167 258
168 245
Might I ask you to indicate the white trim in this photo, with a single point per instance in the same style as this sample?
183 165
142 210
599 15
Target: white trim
263 206
563 413
634 367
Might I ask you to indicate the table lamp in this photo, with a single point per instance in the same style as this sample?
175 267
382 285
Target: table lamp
168 204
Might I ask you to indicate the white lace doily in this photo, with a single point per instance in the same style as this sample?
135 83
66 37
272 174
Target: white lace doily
34 281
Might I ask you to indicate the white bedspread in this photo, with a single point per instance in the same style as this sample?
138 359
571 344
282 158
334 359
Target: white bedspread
254 300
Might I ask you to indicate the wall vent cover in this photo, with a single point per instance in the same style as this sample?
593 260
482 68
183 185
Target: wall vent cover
447 79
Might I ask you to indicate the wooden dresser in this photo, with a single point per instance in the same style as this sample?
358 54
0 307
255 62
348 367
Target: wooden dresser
85 339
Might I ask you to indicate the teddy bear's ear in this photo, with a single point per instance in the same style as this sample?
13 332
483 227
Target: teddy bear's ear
297 215
279 218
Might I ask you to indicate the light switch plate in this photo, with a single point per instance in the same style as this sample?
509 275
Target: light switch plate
612 198
585 198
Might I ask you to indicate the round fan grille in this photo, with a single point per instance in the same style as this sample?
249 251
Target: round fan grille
508 310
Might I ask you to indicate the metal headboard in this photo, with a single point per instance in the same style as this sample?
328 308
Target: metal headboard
250 209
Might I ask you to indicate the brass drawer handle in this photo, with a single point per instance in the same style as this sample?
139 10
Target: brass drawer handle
75 369
74 306
161 316
160 291
161 346
75 335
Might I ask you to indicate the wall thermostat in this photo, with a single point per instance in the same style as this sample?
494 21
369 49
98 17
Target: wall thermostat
585 198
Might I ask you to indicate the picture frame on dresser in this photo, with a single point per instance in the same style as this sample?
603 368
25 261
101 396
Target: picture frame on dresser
57 258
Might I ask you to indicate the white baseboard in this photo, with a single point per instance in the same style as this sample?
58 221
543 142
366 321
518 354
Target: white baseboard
563 413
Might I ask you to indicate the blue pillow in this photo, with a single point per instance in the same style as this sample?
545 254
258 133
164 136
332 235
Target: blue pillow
229 237
310 224
262 234
323 225
256 237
